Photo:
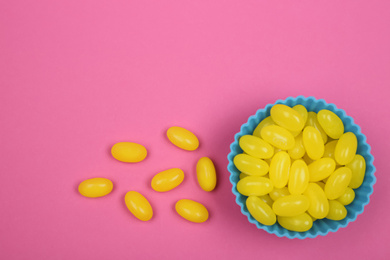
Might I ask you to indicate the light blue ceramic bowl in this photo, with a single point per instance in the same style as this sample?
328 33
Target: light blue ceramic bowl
322 226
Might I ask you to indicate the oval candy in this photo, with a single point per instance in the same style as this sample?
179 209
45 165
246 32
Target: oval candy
95 187
138 205
167 180
192 211
128 152
183 138
206 174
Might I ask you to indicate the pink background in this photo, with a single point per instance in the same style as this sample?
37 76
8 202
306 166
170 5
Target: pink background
78 76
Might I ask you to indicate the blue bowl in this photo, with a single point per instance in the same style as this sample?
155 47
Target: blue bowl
322 226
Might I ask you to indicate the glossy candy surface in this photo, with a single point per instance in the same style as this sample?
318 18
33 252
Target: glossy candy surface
298 150
338 182
299 177
265 122
329 149
183 138
319 205
254 186
313 143
358 168
280 169
206 174
128 152
300 223
313 121
138 205
278 137
287 117
291 205
346 148
192 211
95 187
302 111
167 180
250 165
321 169
278 193
256 147
260 210
331 123
337 211
347 197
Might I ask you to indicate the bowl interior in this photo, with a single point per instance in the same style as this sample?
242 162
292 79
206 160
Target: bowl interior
321 226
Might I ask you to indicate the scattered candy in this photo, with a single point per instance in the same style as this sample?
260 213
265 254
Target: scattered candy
192 211
167 180
95 187
128 152
206 175
183 138
138 205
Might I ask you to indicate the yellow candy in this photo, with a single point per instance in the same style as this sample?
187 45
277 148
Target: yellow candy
358 168
279 169
205 172
256 147
321 169
338 183
95 187
300 223
307 159
254 186
291 205
138 205
278 137
302 111
267 199
313 121
192 211
183 138
128 152
319 205
299 177
347 197
337 211
329 149
313 143
265 122
298 151
287 117
331 123
167 180
346 148
250 165
243 175
260 210
276 194
321 184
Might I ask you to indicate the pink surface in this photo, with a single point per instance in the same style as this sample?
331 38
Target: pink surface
78 76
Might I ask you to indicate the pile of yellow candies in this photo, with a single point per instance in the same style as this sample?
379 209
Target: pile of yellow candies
164 181
299 166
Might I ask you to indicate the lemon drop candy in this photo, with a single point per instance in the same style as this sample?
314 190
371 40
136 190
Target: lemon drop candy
319 204
313 143
278 137
256 147
128 152
250 165
206 175
265 122
267 199
346 148
299 177
347 197
358 168
337 211
331 123
291 205
276 193
167 180
313 121
321 169
138 205
300 223
183 138
329 149
192 211
254 186
95 187
260 210
338 182
302 111
298 150
287 117
280 169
